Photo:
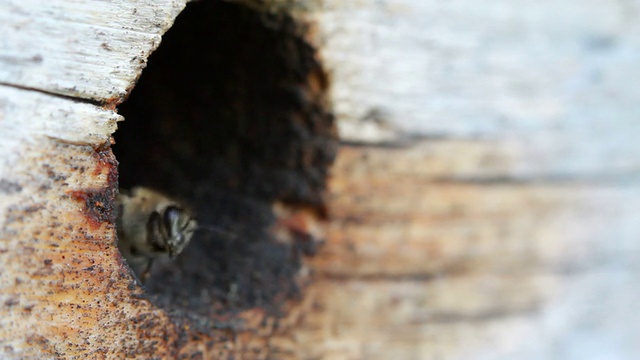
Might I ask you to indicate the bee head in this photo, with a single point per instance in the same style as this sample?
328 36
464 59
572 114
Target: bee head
170 231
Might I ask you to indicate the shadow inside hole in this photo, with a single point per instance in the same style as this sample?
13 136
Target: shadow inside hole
229 115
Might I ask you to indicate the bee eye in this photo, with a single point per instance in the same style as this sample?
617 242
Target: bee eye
155 232
171 218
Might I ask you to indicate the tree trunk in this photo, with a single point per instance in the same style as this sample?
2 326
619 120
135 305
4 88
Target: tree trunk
481 202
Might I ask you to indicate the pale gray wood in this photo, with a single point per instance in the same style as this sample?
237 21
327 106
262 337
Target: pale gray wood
85 49
556 81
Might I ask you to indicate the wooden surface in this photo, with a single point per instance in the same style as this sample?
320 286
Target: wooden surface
503 225
83 49
62 280
471 270
483 206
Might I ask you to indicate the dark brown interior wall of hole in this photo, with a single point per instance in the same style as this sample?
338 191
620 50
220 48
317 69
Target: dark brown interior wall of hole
229 115
235 97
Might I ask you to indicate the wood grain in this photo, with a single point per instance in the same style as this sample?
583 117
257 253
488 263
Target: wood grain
84 49
483 205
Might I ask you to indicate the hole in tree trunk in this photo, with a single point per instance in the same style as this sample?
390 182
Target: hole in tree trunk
230 115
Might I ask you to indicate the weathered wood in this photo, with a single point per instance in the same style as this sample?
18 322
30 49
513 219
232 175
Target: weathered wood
470 269
508 230
485 205
84 49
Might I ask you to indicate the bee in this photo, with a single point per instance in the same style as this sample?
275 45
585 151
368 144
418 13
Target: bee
151 225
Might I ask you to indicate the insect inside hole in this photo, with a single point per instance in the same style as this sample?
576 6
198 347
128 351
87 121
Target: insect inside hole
151 225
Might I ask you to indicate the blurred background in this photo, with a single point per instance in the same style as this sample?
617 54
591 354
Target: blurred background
522 173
